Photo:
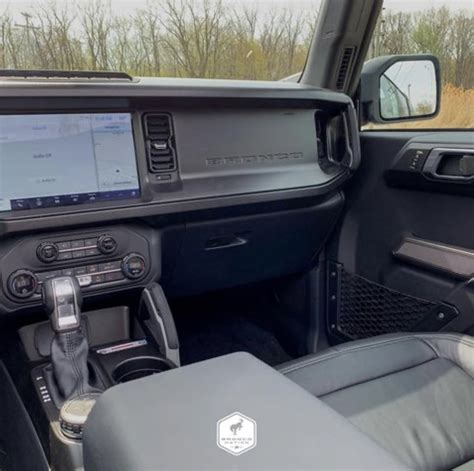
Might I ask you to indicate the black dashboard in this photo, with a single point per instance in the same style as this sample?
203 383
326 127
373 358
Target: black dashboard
77 156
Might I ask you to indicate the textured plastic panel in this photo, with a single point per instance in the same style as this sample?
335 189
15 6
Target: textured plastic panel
228 152
229 252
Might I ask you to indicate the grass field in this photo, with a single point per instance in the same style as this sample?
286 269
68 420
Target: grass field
457 112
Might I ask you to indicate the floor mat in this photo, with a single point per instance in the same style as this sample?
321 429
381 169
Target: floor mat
220 324
20 449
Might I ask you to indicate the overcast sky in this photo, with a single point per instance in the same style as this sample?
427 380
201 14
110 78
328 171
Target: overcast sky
130 5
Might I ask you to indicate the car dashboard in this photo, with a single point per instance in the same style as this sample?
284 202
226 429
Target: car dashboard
114 181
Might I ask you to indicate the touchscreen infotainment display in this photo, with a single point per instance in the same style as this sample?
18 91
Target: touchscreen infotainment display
66 159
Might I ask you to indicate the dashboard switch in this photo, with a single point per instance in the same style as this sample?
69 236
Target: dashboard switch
107 244
22 284
84 280
134 266
47 252
77 244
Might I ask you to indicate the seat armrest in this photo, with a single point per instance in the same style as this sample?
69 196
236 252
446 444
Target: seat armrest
171 421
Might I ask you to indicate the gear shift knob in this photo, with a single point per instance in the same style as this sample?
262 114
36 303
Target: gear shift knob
62 301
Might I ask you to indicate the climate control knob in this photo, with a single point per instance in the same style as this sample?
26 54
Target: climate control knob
22 284
134 266
47 252
107 244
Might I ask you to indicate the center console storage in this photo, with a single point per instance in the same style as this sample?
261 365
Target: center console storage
231 412
139 367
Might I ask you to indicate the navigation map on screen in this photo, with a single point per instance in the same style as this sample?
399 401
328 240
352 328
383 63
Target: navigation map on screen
61 159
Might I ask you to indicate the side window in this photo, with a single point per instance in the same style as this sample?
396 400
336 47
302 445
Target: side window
448 33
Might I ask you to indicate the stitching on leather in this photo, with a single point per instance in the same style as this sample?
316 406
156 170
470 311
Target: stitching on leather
452 338
382 376
328 356
463 341
431 347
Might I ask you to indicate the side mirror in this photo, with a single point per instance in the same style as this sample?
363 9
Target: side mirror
400 88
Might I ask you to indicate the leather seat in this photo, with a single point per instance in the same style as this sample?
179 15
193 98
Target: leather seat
412 393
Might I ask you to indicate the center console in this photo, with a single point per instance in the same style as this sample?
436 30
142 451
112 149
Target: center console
76 356
231 412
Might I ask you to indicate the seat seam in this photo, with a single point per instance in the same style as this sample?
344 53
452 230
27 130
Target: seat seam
451 338
421 338
388 374
335 354
431 347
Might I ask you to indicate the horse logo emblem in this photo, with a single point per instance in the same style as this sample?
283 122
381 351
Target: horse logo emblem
236 433
235 427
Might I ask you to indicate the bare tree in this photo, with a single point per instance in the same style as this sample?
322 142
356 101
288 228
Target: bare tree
97 24
149 34
462 49
213 39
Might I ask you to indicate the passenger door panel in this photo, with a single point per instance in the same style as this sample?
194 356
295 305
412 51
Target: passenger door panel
407 233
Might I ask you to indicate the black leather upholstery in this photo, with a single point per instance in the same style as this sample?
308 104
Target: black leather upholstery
412 393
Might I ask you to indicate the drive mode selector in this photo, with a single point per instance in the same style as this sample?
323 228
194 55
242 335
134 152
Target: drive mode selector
134 266
22 284
47 252
107 244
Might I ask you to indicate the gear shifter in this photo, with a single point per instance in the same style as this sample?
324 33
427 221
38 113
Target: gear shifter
69 349
62 301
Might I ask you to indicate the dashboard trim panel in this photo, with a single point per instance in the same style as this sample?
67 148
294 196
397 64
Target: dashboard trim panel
170 96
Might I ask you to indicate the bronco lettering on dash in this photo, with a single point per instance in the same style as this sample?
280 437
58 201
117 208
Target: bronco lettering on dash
249 159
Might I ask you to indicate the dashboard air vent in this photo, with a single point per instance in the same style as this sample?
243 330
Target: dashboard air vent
344 68
159 140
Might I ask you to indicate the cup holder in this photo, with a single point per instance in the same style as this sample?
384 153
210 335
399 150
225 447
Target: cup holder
139 367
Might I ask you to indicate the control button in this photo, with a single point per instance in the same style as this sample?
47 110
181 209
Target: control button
114 276
77 244
65 256
92 268
91 242
79 254
107 244
84 280
48 275
68 272
97 279
92 252
74 414
64 245
134 266
109 266
80 271
22 284
163 177
47 252
415 158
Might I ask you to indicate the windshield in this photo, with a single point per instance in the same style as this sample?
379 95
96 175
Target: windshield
228 39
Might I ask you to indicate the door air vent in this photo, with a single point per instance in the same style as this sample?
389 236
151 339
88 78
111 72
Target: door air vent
159 141
344 68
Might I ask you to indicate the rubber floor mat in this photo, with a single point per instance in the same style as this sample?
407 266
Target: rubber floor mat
207 333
